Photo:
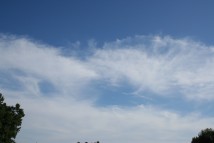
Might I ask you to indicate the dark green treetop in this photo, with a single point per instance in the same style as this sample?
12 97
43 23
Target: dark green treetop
205 136
10 121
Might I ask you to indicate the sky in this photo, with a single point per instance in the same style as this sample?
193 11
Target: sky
109 71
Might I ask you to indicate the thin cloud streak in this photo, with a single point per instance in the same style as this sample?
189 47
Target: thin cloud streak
41 62
68 120
160 65
163 65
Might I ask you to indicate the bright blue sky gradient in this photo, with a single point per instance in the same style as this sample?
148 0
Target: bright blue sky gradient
60 23
113 71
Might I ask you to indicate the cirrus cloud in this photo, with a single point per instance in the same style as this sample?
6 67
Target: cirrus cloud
60 93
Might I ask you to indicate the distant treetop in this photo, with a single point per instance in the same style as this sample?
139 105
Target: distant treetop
205 136
10 121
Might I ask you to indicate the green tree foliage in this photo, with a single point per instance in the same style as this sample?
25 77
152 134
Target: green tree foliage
10 121
205 136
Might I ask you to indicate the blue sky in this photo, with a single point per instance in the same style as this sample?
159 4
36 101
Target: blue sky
113 71
60 23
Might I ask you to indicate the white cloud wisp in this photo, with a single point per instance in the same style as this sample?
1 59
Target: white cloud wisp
58 94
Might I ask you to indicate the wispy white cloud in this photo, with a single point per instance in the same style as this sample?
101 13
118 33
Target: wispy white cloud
67 120
41 62
160 65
